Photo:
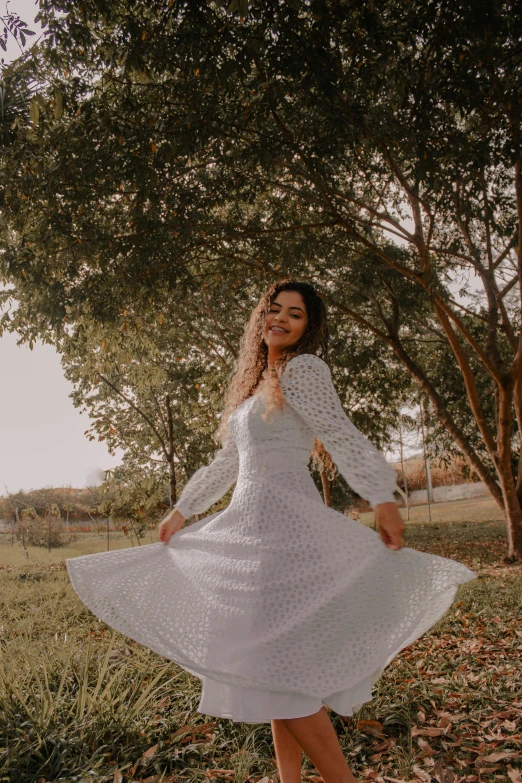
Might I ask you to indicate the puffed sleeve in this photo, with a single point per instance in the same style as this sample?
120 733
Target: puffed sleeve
210 482
307 386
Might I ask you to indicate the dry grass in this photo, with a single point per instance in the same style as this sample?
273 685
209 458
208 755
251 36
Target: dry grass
483 509
79 702
86 544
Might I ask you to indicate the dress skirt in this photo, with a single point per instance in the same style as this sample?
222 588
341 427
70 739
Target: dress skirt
252 705
276 614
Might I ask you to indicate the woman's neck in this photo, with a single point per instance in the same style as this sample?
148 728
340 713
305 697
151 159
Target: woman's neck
273 354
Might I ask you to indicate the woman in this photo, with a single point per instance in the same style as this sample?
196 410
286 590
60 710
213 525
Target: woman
280 604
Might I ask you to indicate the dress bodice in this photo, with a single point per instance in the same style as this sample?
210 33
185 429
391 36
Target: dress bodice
262 447
282 441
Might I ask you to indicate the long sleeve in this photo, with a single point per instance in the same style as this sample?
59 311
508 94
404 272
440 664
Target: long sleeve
308 388
210 482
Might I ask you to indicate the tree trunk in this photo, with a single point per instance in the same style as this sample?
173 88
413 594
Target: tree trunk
173 494
404 477
513 519
172 482
513 510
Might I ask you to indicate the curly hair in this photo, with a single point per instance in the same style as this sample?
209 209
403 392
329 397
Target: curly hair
251 369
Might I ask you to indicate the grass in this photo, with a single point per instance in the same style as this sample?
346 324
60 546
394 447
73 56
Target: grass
483 509
479 510
86 544
79 702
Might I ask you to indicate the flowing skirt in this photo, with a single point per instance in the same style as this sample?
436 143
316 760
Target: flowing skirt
277 614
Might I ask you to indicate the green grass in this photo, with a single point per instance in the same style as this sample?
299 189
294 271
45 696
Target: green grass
483 509
80 702
86 544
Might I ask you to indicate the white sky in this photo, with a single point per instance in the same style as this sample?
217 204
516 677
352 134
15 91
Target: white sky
42 440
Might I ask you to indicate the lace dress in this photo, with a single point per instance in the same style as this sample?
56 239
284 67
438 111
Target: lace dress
278 603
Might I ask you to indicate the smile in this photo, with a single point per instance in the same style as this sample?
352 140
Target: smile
278 329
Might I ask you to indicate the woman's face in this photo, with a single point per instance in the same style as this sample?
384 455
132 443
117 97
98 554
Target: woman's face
285 321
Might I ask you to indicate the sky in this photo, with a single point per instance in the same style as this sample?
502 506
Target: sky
42 441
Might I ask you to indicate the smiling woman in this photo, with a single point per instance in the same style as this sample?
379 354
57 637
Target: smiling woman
279 604
286 322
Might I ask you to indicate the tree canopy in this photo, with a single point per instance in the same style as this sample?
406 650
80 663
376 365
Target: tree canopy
193 152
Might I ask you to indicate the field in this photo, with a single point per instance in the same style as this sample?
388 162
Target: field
81 702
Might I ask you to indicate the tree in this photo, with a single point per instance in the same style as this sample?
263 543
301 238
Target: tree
147 393
130 497
291 140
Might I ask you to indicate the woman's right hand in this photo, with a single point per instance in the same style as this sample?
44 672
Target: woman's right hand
170 525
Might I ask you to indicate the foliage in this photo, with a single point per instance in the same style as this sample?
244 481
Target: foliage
197 151
44 531
131 497
71 503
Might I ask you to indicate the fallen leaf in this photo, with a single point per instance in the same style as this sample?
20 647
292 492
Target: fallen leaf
442 773
433 731
118 777
513 774
373 727
494 757
421 773
149 753
385 745
426 748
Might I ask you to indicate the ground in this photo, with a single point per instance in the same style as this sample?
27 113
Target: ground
80 702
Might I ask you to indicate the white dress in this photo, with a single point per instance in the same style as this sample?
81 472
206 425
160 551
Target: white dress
278 603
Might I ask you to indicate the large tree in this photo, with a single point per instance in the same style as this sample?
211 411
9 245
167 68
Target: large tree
185 145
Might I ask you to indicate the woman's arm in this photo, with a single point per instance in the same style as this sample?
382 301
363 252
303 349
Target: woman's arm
308 388
210 482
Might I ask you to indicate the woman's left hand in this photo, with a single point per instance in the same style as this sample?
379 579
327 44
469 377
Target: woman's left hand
389 524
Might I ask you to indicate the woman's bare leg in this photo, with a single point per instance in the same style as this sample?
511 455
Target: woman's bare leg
317 737
289 753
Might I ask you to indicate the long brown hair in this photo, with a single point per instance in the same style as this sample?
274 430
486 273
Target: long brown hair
251 367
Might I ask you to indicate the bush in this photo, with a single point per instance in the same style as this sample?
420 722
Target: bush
43 531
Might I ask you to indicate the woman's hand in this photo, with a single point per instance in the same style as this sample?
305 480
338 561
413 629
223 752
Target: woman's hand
390 525
170 525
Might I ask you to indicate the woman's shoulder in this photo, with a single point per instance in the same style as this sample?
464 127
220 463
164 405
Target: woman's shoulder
306 363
